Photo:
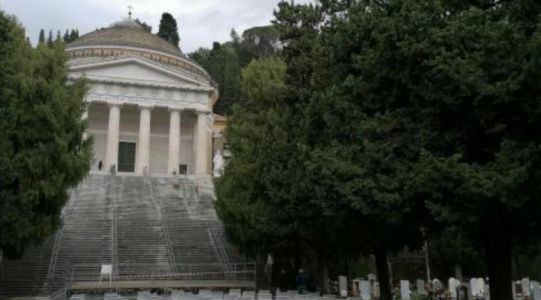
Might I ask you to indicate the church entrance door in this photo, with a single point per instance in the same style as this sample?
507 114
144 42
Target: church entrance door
126 157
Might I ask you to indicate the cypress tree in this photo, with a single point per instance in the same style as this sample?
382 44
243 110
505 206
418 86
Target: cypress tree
42 153
50 39
168 29
41 36
66 36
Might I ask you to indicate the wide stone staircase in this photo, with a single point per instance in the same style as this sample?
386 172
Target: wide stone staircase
141 226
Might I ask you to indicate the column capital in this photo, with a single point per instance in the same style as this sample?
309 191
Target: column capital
146 107
178 109
202 112
114 104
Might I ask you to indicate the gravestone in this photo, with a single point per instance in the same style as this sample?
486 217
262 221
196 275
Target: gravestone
487 292
375 290
536 290
515 286
264 295
356 286
525 282
365 289
437 286
248 295
453 285
421 287
343 286
477 287
463 292
405 293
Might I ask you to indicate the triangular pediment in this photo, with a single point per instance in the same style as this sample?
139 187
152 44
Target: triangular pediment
136 70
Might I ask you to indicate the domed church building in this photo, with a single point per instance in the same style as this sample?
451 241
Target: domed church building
149 106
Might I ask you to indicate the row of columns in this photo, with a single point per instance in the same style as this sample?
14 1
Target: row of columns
142 163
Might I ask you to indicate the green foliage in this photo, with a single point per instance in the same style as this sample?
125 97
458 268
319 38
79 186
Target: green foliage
70 36
257 43
225 61
50 41
441 103
42 153
168 29
41 36
254 127
399 119
222 63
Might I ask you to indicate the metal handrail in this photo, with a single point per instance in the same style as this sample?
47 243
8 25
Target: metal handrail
52 264
165 227
219 245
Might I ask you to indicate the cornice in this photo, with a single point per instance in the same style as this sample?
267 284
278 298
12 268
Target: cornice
143 83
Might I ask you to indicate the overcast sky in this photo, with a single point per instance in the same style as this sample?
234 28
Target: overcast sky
201 22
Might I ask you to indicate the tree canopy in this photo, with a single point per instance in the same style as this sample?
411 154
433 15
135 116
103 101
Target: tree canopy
409 117
42 153
225 61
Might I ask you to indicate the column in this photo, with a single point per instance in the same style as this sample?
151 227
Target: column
143 147
84 118
111 154
202 150
174 141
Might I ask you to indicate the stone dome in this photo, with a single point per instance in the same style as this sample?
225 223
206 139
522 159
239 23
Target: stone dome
127 38
126 33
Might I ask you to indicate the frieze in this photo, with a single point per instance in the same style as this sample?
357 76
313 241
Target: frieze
188 103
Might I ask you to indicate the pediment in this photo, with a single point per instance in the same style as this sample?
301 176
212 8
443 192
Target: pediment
134 70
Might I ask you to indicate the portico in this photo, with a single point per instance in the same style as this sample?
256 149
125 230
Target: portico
184 134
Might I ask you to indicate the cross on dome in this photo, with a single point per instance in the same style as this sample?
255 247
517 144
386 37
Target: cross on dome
130 8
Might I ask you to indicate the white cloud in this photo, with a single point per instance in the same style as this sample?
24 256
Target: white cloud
201 22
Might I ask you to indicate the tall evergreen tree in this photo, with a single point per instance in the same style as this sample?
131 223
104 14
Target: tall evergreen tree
50 40
42 153
74 34
41 37
66 36
168 29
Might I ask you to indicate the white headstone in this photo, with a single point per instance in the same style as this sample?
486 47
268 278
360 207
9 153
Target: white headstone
405 293
477 287
420 284
487 292
536 290
343 286
453 284
525 287
437 285
365 289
